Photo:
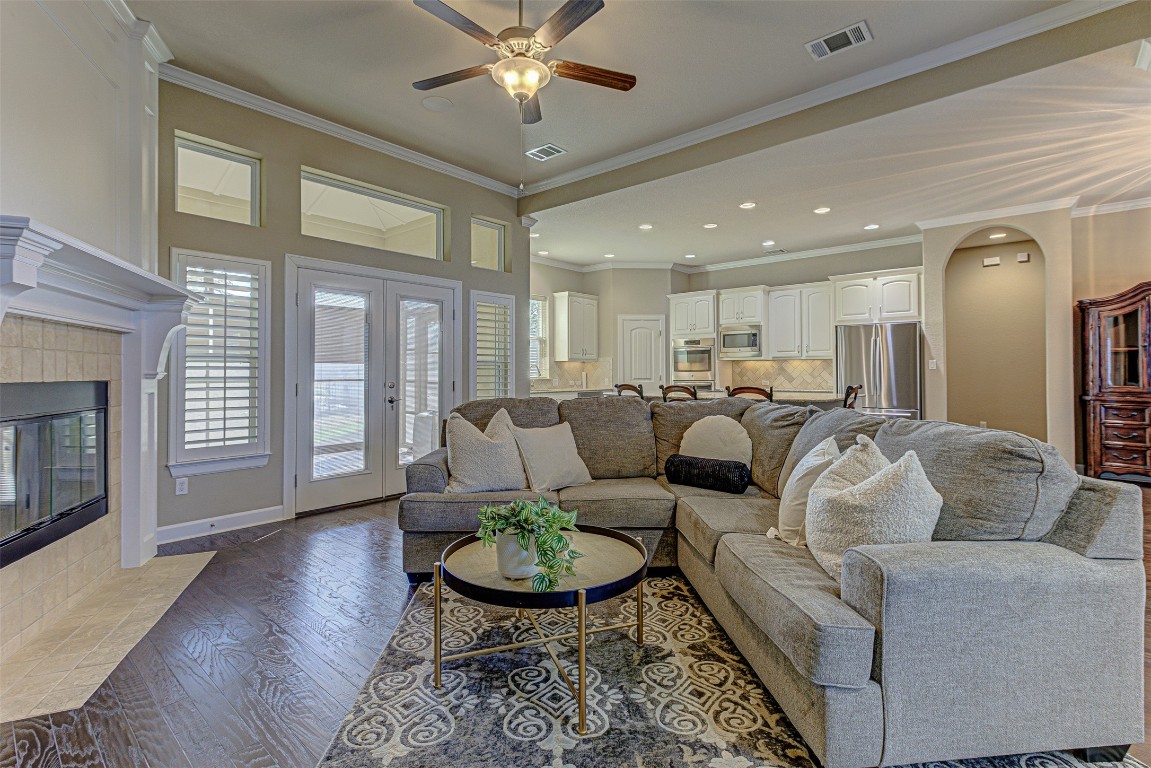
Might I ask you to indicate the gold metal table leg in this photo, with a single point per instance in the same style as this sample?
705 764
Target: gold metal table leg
581 608
436 620
639 613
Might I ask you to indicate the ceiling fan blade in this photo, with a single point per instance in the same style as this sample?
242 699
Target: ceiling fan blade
608 78
530 114
458 20
452 77
564 21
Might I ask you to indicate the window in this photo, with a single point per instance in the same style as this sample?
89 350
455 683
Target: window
216 182
487 244
219 390
493 345
354 212
538 337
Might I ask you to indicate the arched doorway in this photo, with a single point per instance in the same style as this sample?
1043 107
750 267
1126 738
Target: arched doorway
994 302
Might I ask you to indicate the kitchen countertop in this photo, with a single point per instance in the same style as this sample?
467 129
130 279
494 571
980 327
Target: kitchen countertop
781 396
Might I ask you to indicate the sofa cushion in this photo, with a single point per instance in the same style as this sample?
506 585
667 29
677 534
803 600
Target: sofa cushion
772 429
527 412
704 520
995 485
455 511
671 420
636 502
844 424
785 592
614 435
483 461
684 491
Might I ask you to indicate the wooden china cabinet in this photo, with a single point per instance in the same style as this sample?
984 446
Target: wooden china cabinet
1117 390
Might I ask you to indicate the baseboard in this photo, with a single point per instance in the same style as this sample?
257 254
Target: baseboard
166 534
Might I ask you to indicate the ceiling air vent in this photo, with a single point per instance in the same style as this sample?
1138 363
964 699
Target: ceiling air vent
774 251
856 34
545 152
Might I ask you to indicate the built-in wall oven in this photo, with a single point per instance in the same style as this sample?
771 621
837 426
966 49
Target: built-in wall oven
693 361
740 341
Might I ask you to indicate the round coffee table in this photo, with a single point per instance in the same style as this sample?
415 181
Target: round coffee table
612 564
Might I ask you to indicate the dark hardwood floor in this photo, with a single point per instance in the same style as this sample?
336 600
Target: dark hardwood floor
260 658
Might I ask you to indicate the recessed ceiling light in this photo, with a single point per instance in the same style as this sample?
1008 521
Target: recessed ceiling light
710 226
436 104
689 255
544 253
747 206
872 226
825 209
534 234
997 235
645 227
609 255
768 243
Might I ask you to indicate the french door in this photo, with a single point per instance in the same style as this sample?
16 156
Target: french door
374 377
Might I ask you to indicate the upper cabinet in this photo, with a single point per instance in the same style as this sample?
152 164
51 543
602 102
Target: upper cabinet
883 298
576 328
741 307
692 314
799 323
818 325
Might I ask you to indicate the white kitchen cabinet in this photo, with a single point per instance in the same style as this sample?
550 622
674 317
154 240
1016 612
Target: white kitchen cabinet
576 327
692 314
784 323
741 307
886 297
818 326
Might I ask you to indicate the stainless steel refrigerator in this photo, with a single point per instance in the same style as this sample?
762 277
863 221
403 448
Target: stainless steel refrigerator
884 358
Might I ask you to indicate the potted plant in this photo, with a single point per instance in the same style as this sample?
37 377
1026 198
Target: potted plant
529 541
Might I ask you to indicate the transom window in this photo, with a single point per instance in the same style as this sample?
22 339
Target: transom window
487 244
216 182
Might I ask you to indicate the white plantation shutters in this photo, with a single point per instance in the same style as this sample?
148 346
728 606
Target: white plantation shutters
537 338
220 392
493 345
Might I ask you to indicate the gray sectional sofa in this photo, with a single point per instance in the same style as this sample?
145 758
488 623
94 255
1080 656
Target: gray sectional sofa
1018 629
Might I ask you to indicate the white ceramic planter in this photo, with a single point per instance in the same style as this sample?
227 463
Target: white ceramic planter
513 562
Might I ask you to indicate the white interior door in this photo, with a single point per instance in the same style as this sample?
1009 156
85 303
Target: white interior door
339 403
641 351
418 362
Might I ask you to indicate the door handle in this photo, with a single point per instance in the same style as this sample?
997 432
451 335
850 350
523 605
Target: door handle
392 400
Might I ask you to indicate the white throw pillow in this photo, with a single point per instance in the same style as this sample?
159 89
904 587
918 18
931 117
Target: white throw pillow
793 499
864 499
550 457
483 461
717 437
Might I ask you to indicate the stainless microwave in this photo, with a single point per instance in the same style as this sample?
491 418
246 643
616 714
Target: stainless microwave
736 341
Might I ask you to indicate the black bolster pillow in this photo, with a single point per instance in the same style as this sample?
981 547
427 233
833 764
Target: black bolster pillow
712 474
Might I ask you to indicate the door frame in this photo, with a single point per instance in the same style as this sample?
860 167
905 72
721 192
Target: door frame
292 266
664 358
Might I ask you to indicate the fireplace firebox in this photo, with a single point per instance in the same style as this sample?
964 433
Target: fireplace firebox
53 463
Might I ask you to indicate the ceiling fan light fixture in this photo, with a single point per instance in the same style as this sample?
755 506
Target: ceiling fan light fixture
521 76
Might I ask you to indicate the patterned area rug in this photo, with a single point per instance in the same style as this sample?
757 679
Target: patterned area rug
686 698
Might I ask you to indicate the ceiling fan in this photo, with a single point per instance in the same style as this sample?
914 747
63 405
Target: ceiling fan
521 69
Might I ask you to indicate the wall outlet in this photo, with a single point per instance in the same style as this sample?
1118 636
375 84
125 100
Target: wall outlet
933 365
983 424
181 486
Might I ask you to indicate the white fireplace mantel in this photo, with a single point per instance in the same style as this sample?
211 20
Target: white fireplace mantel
50 275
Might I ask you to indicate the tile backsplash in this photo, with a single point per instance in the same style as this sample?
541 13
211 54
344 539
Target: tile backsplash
564 376
787 375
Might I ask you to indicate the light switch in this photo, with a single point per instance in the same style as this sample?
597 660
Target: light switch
933 364
1023 258
991 261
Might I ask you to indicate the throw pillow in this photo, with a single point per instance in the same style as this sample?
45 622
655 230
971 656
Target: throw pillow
483 461
864 499
717 437
793 499
550 457
712 474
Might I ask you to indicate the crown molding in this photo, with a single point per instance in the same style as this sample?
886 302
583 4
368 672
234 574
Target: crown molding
1099 210
229 93
1052 18
890 242
544 261
999 213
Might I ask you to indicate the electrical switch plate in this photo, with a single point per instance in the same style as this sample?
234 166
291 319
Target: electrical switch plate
181 486
1023 258
991 261
933 364
983 423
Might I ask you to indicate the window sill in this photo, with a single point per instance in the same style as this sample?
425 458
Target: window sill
213 466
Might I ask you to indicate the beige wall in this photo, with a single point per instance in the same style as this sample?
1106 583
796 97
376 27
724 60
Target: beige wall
37 591
284 148
810 270
995 339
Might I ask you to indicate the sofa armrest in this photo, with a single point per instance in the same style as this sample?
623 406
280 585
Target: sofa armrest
428 474
987 648
1104 519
